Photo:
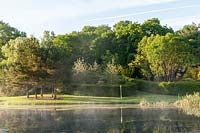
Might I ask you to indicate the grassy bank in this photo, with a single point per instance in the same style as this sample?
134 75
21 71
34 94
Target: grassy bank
71 99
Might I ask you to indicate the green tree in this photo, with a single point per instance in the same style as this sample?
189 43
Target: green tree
191 35
7 33
103 43
153 26
89 29
53 61
21 65
167 57
127 36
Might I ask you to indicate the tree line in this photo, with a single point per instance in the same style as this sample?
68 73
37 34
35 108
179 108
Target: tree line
97 54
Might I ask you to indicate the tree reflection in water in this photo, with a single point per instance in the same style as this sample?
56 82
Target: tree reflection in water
118 120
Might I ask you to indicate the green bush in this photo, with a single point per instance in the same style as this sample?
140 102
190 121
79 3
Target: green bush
193 73
132 86
101 90
183 87
148 86
172 88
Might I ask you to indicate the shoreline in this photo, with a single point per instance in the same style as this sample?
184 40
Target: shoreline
82 106
69 106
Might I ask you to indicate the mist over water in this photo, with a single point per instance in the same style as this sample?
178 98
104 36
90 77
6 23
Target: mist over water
98 120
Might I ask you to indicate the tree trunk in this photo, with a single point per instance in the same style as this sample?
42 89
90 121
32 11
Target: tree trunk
41 92
35 93
111 79
27 94
52 93
54 90
55 96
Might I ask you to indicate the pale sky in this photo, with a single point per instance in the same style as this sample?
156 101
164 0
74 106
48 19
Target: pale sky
65 16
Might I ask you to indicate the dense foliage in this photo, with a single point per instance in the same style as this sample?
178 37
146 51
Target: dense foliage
164 57
97 55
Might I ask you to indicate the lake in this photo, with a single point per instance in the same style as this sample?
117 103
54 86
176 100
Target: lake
97 120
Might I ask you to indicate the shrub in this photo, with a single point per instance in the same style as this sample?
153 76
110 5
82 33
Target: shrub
193 73
190 104
189 101
172 88
101 89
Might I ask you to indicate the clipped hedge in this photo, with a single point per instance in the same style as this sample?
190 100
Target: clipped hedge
131 87
184 87
100 90
172 88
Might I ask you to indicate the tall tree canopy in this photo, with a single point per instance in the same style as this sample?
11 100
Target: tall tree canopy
7 33
53 60
153 26
140 50
191 34
166 57
21 64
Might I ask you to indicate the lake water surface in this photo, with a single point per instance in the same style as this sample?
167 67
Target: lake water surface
98 120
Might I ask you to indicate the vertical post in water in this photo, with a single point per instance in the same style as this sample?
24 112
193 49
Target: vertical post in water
120 91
